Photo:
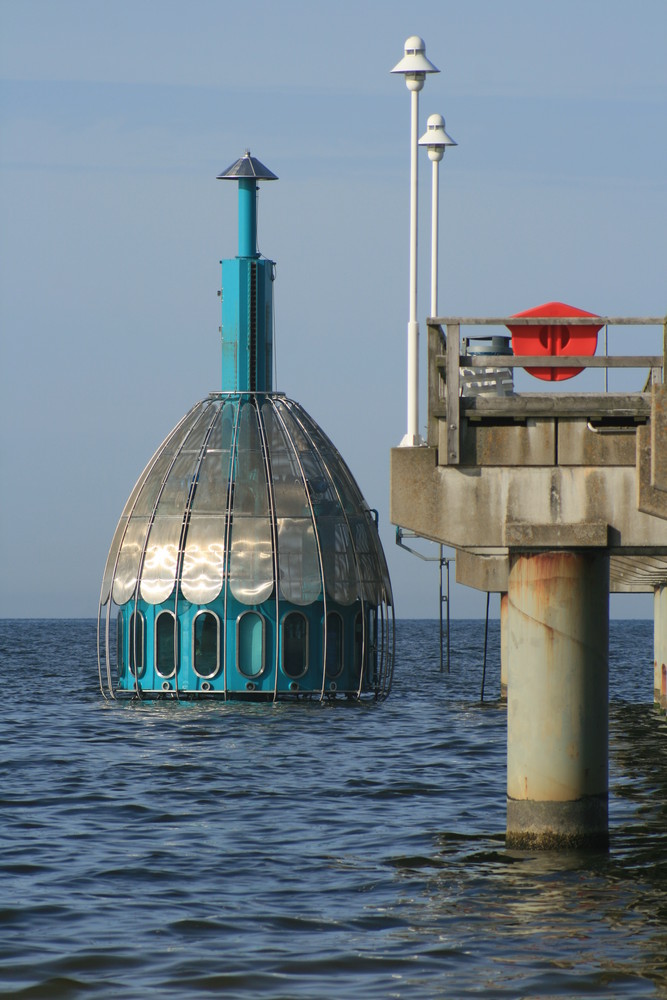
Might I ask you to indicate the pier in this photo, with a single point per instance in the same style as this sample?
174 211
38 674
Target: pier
553 500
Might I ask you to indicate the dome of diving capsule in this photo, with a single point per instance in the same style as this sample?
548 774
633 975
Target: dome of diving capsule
246 564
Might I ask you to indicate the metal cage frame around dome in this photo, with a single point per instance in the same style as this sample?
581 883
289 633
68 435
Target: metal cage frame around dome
247 507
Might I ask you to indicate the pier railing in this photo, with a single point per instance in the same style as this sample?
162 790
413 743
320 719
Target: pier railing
446 361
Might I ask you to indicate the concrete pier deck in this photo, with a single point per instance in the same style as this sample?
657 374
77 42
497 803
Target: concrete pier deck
544 495
540 468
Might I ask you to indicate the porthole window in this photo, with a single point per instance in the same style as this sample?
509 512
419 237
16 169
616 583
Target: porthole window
166 644
295 644
334 658
137 643
358 643
120 658
250 633
206 644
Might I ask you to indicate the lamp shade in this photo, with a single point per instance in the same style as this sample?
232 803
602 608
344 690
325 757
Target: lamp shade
414 59
435 134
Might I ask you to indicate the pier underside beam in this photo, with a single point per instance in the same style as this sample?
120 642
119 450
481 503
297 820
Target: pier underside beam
557 747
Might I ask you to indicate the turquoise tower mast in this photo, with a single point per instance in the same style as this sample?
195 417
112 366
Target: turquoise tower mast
246 563
247 291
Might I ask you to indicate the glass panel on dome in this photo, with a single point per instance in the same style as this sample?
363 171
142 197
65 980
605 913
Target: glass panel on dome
206 644
138 509
162 461
250 644
251 563
158 574
204 555
214 439
365 545
349 493
321 490
350 496
300 578
120 653
166 651
213 478
386 582
125 578
334 658
204 558
289 490
295 644
358 643
340 568
150 490
250 493
176 489
111 561
138 486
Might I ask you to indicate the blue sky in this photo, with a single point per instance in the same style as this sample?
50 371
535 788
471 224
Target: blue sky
115 119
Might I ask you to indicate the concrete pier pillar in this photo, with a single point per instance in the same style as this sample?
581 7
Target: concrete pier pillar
504 639
660 645
557 713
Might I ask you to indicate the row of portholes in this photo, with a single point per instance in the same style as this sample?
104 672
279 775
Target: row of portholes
250 644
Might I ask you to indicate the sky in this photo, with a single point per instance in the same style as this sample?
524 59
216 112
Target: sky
115 119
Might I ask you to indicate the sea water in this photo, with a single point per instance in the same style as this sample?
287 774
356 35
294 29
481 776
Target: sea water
313 850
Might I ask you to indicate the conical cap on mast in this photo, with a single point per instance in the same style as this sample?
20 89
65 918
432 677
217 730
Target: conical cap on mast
248 167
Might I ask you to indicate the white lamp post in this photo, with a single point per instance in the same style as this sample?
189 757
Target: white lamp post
414 66
436 141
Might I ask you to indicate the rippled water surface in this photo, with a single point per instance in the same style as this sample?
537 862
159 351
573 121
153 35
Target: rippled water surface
313 851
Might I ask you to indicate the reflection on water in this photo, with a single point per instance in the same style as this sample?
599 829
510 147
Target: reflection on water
313 851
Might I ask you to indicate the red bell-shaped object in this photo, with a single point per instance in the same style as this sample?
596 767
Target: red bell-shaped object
559 341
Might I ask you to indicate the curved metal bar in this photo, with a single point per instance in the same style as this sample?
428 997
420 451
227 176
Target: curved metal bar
133 639
274 537
351 487
142 479
378 559
381 654
228 528
184 528
288 437
291 406
388 652
151 522
135 496
99 660
139 488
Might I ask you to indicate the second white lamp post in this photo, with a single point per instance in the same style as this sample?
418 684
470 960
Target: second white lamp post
414 66
436 141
